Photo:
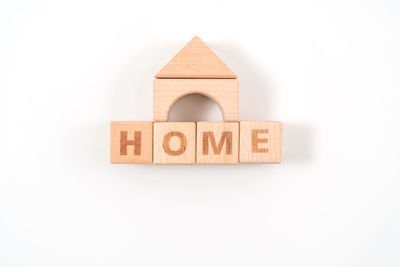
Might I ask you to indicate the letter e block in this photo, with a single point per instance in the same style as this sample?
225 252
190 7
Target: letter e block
217 142
174 142
131 142
260 141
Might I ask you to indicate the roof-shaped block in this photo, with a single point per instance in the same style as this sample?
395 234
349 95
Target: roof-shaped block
196 60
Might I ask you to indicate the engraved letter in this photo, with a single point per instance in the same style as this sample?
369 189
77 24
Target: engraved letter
167 140
124 143
226 136
255 141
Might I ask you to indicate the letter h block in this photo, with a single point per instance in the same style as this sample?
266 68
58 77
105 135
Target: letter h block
131 142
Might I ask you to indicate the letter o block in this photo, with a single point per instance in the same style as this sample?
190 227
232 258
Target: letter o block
260 141
217 142
131 142
174 142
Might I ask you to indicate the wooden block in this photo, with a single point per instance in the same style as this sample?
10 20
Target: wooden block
174 142
260 141
131 142
195 60
217 142
225 92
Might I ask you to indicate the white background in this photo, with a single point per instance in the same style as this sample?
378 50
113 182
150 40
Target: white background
329 70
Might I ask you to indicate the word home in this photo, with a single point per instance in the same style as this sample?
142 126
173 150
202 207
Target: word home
201 142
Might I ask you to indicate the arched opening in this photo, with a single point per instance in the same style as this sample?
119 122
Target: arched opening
195 107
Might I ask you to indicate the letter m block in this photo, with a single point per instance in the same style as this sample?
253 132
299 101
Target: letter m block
217 142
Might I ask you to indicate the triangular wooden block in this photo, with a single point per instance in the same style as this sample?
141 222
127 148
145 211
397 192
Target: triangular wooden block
196 60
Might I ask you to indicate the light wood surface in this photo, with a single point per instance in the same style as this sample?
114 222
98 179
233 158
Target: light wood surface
260 141
224 92
195 60
174 142
217 142
131 142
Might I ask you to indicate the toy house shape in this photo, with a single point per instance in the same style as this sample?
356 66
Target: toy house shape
196 69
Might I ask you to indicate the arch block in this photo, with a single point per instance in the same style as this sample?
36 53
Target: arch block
224 92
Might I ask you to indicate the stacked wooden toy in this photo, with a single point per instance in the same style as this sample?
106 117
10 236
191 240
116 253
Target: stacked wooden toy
196 69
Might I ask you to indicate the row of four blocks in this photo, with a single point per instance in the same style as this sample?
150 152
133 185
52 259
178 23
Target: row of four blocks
201 142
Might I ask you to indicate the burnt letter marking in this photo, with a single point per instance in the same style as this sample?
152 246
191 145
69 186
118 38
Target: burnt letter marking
124 143
226 136
255 141
167 143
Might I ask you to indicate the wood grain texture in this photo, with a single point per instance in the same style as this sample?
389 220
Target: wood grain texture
260 141
217 142
195 60
174 142
131 142
224 92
